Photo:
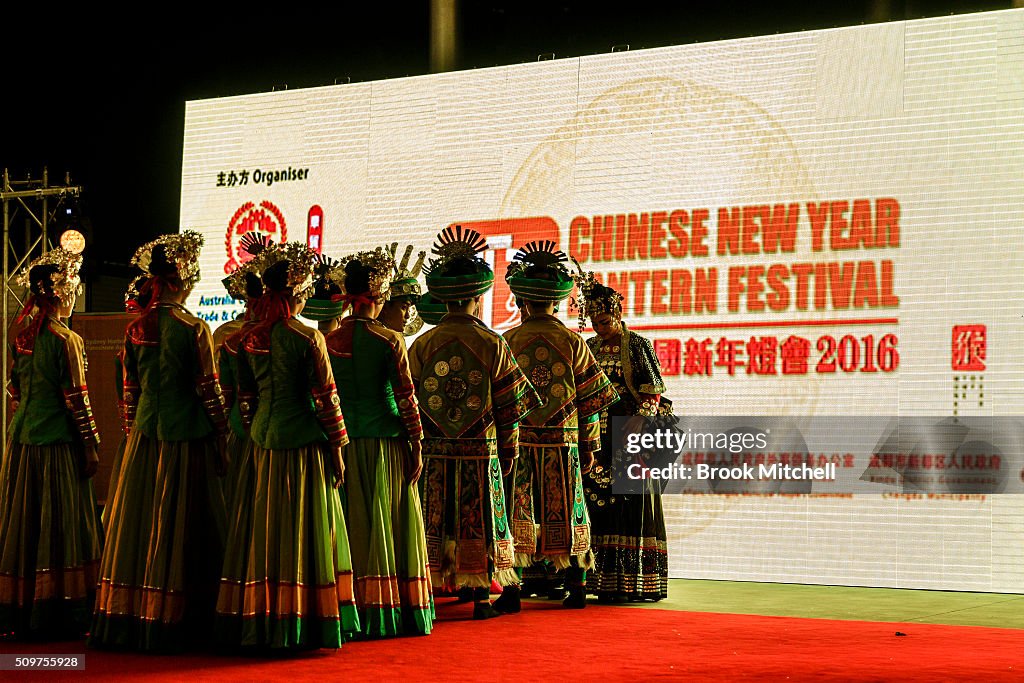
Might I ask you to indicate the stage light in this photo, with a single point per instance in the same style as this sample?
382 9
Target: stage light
72 240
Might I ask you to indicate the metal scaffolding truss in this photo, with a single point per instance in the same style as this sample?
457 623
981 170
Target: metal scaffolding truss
39 202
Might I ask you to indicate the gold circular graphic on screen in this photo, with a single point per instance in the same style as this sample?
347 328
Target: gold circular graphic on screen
748 158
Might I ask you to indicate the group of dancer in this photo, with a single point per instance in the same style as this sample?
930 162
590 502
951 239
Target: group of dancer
280 486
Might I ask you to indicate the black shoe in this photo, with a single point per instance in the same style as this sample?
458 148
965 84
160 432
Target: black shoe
465 594
509 601
577 599
556 592
485 610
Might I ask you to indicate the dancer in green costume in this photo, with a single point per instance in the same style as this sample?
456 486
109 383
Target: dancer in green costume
287 575
49 530
383 460
399 312
472 396
325 306
548 509
166 521
243 285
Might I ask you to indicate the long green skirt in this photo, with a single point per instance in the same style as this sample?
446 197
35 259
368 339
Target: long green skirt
389 548
240 464
165 544
287 574
49 543
115 476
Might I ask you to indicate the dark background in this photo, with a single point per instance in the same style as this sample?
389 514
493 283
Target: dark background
102 95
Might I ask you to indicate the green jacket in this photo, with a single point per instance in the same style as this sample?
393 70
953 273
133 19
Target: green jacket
48 387
227 367
286 391
371 368
171 391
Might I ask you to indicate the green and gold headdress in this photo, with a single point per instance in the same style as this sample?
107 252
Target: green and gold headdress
458 273
326 302
430 310
405 280
537 273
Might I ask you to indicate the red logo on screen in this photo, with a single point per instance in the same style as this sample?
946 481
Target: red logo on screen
969 348
315 229
505 236
265 219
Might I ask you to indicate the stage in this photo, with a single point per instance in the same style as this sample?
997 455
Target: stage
707 630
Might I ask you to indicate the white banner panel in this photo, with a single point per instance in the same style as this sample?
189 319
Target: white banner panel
823 223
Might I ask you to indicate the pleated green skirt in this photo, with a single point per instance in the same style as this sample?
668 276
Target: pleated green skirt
49 543
240 464
165 541
287 574
389 548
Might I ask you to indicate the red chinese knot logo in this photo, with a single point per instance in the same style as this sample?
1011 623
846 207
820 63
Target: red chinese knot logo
969 348
265 219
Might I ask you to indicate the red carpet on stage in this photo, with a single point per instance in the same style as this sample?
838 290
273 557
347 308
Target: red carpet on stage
601 643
